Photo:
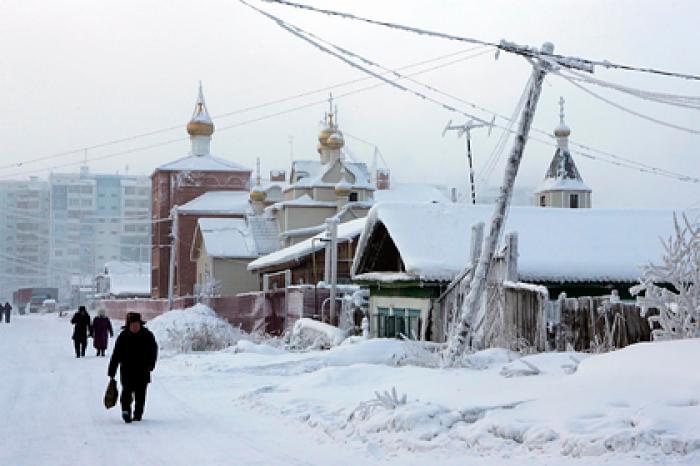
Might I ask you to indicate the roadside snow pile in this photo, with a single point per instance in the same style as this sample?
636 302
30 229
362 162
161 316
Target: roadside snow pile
312 334
642 401
196 328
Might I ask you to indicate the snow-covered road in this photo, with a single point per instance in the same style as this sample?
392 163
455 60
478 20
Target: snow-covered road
51 413
256 404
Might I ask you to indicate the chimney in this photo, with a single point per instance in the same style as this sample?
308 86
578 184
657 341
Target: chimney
382 177
278 175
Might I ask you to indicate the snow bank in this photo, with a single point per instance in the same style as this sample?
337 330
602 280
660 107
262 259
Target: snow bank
639 402
312 334
197 328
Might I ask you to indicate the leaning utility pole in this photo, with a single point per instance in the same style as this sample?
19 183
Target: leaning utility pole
469 321
465 130
173 252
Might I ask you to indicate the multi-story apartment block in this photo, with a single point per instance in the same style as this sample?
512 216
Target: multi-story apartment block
24 233
97 218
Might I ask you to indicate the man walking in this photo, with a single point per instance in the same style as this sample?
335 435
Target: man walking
8 311
135 352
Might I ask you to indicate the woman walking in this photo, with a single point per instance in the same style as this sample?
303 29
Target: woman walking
101 331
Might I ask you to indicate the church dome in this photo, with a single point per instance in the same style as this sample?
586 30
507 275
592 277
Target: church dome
325 133
257 194
562 131
343 188
200 128
335 140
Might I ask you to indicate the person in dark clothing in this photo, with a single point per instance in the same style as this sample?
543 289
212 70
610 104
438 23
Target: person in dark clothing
81 330
101 331
135 352
8 311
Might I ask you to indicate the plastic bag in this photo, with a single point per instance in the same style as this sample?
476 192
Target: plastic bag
111 394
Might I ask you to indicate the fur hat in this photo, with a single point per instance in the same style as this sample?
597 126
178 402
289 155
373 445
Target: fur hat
134 317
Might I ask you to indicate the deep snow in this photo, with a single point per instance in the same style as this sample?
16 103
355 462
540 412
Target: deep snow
253 403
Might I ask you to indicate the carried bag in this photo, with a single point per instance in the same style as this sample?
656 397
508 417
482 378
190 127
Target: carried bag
111 394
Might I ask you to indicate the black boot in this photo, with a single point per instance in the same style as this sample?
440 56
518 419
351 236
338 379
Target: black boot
126 415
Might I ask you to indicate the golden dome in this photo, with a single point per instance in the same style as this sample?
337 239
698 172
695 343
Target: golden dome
325 134
343 188
335 140
257 194
200 128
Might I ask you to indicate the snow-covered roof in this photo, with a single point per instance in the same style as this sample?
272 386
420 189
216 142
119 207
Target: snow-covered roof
208 163
134 284
303 201
219 202
562 174
128 278
562 184
346 231
314 171
238 238
559 245
412 192
120 268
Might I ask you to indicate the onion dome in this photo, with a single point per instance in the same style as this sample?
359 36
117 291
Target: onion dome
201 123
343 188
257 194
325 133
335 140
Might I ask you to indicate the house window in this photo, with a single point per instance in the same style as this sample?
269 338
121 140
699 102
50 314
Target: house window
395 322
573 201
543 201
353 197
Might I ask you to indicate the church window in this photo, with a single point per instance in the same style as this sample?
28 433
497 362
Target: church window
573 201
543 201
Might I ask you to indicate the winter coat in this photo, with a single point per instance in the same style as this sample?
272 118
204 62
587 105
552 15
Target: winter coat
81 326
135 354
101 331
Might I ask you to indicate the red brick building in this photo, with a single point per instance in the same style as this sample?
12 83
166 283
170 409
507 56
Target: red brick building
179 182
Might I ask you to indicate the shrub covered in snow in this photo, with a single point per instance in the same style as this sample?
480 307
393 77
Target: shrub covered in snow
312 334
678 311
197 328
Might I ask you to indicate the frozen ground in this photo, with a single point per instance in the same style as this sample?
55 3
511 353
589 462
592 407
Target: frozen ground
257 404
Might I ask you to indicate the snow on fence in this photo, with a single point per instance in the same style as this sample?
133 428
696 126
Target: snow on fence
595 324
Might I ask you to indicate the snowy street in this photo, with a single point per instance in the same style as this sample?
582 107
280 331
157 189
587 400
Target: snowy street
51 412
258 404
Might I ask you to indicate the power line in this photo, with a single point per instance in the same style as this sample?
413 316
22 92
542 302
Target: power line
627 110
245 122
582 63
302 34
238 111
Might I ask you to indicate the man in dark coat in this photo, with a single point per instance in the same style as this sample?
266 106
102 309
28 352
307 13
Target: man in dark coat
81 330
101 331
135 351
8 311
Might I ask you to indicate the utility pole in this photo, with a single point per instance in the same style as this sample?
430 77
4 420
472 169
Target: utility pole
465 130
332 225
173 252
469 320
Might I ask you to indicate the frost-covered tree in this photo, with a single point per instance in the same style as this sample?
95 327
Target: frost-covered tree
679 310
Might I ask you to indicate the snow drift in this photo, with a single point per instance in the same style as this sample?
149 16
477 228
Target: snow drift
196 328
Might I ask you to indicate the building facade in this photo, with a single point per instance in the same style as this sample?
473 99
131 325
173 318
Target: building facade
24 235
176 184
94 219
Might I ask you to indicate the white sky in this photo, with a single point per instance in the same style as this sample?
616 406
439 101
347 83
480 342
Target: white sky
77 73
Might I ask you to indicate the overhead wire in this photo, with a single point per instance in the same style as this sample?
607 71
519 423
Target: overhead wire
244 109
503 45
621 162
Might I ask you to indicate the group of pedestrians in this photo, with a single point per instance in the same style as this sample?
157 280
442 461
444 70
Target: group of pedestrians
135 353
99 329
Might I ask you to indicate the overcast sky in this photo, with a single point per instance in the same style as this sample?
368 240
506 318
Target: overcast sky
78 73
